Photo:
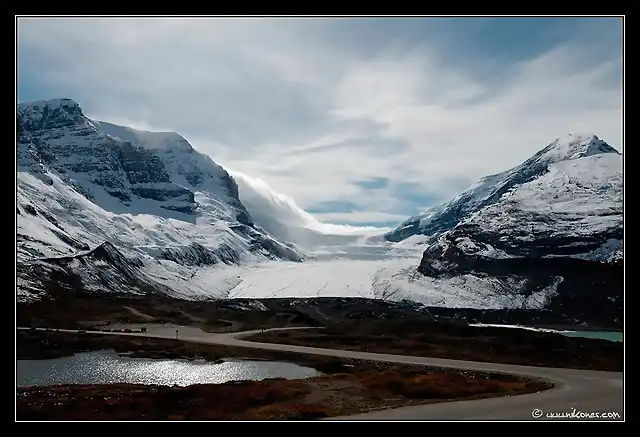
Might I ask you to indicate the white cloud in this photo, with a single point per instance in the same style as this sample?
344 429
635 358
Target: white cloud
122 121
312 107
261 199
360 217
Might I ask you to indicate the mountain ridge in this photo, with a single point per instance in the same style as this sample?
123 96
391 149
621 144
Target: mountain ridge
554 241
489 189
80 186
106 208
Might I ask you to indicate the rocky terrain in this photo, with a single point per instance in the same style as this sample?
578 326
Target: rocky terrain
90 193
68 309
547 233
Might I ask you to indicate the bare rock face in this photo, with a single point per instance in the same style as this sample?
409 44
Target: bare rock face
56 135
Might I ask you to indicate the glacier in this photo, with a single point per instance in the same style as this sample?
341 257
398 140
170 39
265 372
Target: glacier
104 208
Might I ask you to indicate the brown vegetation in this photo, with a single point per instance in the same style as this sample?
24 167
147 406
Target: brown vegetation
140 402
446 385
276 399
346 387
460 342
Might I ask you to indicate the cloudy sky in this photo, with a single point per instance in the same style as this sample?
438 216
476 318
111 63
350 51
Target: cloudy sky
361 121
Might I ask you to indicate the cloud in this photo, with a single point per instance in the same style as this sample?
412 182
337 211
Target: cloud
388 115
373 183
261 200
333 205
377 218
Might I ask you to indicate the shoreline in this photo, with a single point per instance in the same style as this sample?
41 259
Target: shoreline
549 328
346 386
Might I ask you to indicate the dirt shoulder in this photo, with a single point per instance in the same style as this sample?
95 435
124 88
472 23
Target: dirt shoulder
346 386
459 342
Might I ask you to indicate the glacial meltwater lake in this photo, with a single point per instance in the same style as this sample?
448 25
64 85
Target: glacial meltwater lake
107 367
602 335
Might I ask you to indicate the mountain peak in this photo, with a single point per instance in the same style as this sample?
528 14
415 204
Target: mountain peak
575 146
64 112
490 189
162 141
47 114
51 104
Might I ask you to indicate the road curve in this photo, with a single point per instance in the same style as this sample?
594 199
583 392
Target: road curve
576 392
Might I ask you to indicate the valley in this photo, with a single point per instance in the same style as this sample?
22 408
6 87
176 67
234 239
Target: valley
126 238
334 218
344 386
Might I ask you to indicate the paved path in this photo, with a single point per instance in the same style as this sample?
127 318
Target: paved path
580 391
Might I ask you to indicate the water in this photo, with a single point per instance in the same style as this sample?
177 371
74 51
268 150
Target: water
604 335
107 367
616 336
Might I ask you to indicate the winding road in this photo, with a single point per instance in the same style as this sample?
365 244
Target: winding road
577 392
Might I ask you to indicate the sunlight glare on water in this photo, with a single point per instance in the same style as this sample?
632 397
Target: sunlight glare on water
107 367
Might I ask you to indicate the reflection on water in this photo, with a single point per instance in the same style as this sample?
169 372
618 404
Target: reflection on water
107 367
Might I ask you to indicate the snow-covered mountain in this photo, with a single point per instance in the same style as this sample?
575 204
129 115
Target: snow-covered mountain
547 233
106 208
490 189
91 193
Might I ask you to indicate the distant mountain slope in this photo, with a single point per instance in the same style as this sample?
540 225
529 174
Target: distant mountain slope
490 189
150 195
